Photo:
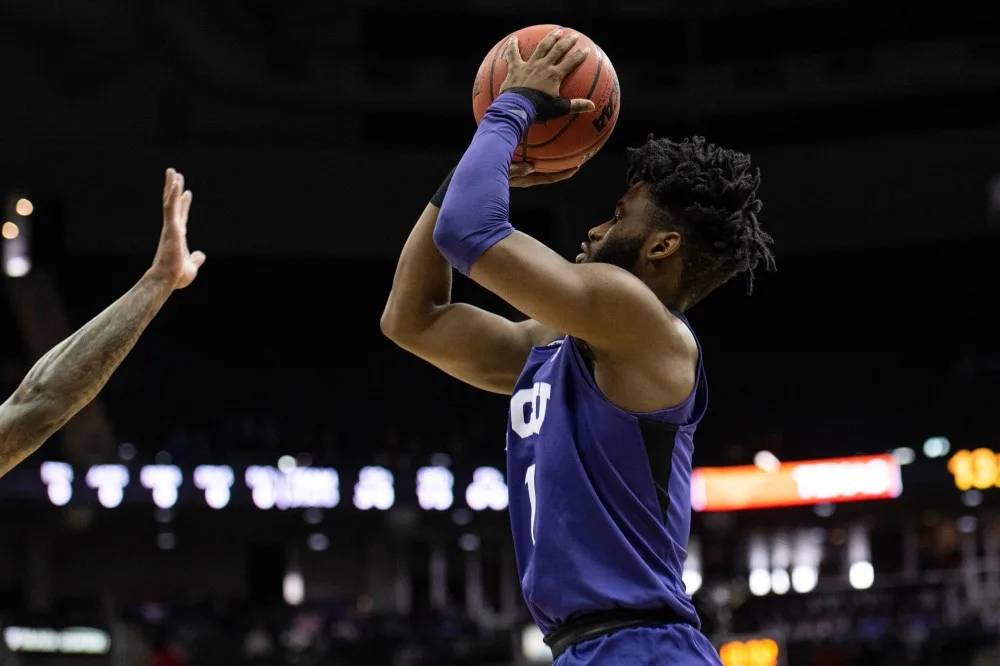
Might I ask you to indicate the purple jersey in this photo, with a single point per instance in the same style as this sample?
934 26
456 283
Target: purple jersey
600 498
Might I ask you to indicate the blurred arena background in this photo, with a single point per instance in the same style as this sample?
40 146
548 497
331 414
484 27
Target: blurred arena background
267 480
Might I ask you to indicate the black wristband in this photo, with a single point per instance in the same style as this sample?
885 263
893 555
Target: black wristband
438 197
546 106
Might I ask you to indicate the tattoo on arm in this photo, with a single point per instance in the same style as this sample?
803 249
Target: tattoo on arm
72 373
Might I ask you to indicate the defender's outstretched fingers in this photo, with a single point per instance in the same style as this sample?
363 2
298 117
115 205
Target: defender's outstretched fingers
168 182
185 206
170 191
170 198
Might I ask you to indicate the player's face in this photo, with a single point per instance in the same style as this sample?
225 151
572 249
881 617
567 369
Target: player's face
621 239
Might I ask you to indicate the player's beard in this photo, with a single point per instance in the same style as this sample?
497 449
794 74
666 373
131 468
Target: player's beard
622 252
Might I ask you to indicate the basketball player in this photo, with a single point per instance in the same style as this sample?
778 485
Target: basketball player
68 377
606 376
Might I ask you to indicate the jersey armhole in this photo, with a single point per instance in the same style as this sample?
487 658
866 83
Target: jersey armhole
542 335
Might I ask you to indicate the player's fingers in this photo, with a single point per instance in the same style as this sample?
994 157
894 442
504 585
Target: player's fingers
572 61
168 180
170 198
518 169
554 177
546 44
512 52
543 178
560 175
185 206
581 106
198 258
561 48
170 187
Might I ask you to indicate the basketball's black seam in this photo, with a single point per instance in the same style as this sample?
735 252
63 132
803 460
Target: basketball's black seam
593 87
573 118
600 138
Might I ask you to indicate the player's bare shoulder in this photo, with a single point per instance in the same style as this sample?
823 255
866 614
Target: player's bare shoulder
681 339
658 375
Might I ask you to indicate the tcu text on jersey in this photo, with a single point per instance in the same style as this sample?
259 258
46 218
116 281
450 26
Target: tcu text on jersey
535 399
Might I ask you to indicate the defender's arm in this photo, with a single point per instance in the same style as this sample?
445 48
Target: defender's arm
68 377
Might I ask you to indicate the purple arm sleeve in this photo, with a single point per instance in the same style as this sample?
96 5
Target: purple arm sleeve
474 215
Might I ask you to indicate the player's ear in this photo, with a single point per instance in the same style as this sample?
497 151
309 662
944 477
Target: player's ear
662 244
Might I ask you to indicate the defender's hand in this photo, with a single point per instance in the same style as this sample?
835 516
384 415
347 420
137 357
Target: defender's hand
522 174
545 70
173 262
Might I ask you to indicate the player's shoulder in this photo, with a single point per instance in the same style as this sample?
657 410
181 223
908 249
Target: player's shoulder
682 336
668 337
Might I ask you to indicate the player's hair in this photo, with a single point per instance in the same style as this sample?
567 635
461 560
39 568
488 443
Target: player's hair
710 193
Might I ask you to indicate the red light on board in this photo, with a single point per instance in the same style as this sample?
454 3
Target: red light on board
796 484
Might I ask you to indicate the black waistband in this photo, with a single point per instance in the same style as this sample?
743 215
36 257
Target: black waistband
603 623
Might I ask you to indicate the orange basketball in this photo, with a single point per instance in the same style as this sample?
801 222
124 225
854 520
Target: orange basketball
571 140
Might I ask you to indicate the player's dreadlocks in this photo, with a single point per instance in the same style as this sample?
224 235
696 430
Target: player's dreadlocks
711 195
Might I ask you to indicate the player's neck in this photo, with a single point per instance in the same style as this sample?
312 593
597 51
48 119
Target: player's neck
666 289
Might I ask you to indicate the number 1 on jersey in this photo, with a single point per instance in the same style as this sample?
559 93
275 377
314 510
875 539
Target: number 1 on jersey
529 480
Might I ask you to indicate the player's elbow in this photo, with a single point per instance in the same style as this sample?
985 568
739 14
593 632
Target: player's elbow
27 419
389 322
395 325
33 406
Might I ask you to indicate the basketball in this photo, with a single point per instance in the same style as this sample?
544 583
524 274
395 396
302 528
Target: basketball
565 142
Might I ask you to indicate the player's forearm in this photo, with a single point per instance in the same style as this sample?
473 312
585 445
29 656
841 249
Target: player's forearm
68 377
422 281
474 215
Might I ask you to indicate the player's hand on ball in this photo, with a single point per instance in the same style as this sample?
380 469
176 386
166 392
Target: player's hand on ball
545 70
173 262
523 174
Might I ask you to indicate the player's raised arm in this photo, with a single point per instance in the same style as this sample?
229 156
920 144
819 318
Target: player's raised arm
600 303
68 377
470 344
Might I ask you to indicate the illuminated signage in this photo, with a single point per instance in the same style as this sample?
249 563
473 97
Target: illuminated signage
301 487
796 484
110 482
72 640
437 489
978 469
280 487
374 489
215 480
434 488
752 652
163 480
58 480
487 490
